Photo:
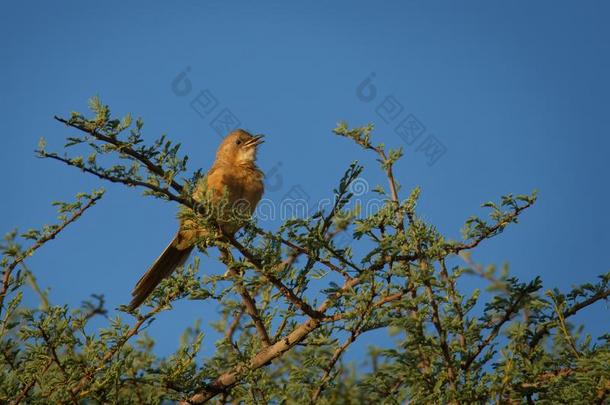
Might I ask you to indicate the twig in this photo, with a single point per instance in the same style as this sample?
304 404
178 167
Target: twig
477 268
25 391
249 303
124 148
545 328
540 379
458 247
287 292
510 311
355 332
393 187
442 334
44 239
331 364
454 302
233 326
56 360
114 179
307 252
135 329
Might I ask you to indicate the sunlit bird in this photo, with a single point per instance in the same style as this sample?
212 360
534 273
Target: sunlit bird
233 182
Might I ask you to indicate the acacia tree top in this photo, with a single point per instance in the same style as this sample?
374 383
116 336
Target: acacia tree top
294 300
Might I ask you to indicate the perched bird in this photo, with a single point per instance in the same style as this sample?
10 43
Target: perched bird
234 185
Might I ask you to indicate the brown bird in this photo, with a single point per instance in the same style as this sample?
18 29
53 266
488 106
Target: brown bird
233 186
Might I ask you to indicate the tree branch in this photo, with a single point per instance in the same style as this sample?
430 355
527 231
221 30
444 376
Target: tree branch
510 311
135 329
113 179
266 355
458 247
56 360
39 243
545 328
287 292
331 364
124 148
248 301
26 390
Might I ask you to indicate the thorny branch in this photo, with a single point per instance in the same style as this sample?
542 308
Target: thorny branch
109 354
26 390
39 243
546 328
248 300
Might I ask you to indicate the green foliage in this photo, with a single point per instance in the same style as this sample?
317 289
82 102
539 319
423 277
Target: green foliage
294 301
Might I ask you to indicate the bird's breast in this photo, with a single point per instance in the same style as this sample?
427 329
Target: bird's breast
250 188
243 185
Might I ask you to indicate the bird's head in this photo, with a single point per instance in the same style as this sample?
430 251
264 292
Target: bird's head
239 147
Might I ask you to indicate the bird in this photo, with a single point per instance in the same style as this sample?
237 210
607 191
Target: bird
233 187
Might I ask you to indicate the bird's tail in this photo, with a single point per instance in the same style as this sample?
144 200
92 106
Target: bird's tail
173 256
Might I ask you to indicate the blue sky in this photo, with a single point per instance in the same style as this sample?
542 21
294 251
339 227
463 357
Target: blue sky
515 94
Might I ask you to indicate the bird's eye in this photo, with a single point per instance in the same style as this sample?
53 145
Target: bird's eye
238 142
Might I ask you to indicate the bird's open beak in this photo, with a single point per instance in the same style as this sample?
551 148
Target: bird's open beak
256 140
